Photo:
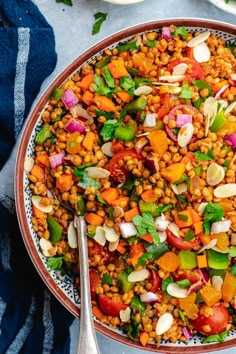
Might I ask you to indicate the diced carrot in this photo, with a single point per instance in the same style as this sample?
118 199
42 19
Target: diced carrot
136 251
121 249
64 182
228 128
205 239
86 81
202 261
232 90
188 305
158 141
97 312
149 196
219 85
169 261
210 295
143 337
195 216
117 68
73 143
94 219
142 63
110 195
188 157
38 172
117 146
147 237
229 287
43 159
87 97
226 205
174 172
89 140
122 242
124 96
128 215
104 103
198 227
222 240
122 202
183 218
38 213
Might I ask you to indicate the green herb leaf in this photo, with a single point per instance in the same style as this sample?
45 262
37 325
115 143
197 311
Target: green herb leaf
107 115
99 86
233 269
198 102
129 46
207 228
151 43
128 184
201 84
213 212
133 71
137 304
132 329
142 261
189 235
182 316
100 17
182 179
165 283
106 279
216 337
226 165
108 129
183 217
186 91
86 181
109 78
163 208
100 64
128 84
145 224
184 283
66 2
182 199
198 170
181 31
78 169
204 157
55 263
110 212
142 81
100 199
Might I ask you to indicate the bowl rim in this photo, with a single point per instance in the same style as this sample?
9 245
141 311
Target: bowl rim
19 171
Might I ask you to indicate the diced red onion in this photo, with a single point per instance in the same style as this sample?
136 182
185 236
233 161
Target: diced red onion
140 144
170 133
69 98
233 77
152 164
150 120
204 274
183 119
68 159
74 126
187 333
166 33
231 139
222 90
149 297
57 160
195 287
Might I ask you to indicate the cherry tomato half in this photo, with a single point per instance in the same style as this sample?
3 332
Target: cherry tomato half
194 70
215 323
110 307
95 281
120 173
179 243
155 280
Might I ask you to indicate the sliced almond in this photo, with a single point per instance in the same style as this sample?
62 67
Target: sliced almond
225 191
113 245
138 275
201 53
217 282
110 233
166 84
162 236
185 134
72 235
209 246
142 90
28 164
47 247
161 223
100 236
179 188
201 207
107 149
202 37
36 199
215 174
180 69
210 108
174 229
230 107
172 78
118 212
164 323
97 172
175 290
125 314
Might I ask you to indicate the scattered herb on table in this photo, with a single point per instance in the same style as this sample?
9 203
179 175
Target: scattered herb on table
100 17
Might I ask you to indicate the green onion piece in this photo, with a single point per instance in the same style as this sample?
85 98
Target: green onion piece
218 122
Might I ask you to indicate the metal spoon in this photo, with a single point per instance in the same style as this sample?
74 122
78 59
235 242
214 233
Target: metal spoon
87 336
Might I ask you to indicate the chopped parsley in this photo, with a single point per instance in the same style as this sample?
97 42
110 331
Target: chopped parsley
198 102
226 165
110 212
129 46
211 213
201 84
182 199
108 78
85 181
165 283
100 17
107 115
204 157
100 199
55 263
163 208
142 261
137 304
100 87
108 129
145 224
185 283
198 170
181 31
186 91
216 337
182 316
66 2
151 43
106 279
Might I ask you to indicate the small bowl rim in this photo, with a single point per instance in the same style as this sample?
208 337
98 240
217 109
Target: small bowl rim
19 172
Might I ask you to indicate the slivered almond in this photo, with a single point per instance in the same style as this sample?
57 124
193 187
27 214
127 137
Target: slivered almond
164 323
72 235
125 314
202 37
110 234
36 199
118 212
113 245
97 172
142 90
165 84
185 134
217 282
107 149
179 188
100 236
215 174
138 275
28 164
172 78
210 245
174 229
180 69
230 107
175 290
225 191
201 53
47 247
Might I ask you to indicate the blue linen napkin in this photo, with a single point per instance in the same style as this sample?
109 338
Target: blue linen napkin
31 319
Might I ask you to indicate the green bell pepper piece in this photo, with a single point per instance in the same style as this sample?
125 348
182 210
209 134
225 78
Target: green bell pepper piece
57 93
219 272
217 260
43 135
124 133
148 208
218 122
55 229
188 260
123 282
232 251
157 250
136 105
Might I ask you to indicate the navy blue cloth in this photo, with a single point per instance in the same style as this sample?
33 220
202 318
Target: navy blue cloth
31 319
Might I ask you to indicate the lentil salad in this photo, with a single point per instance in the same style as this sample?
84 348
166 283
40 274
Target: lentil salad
142 180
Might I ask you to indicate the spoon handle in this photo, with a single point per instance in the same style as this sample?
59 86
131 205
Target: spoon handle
87 337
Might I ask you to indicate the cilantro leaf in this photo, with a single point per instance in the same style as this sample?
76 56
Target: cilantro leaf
201 84
132 328
110 212
145 224
86 181
198 170
142 261
165 283
77 169
128 84
198 102
132 71
212 212
100 199
142 81
186 91
100 17
204 157
182 316
66 2
184 283
181 31
106 279
129 46
182 199
109 78
137 304
189 235
151 43
99 86
163 208
226 165
108 129
107 115
55 263
128 184
216 337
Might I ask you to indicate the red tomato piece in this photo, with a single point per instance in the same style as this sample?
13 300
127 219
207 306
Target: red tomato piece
110 307
166 106
179 243
192 275
194 70
215 323
95 281
120 173
155 280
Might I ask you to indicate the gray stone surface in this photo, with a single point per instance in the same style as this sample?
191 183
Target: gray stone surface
72 27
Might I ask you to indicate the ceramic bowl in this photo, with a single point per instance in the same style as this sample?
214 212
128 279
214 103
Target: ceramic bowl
63 286
229 7
123 2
